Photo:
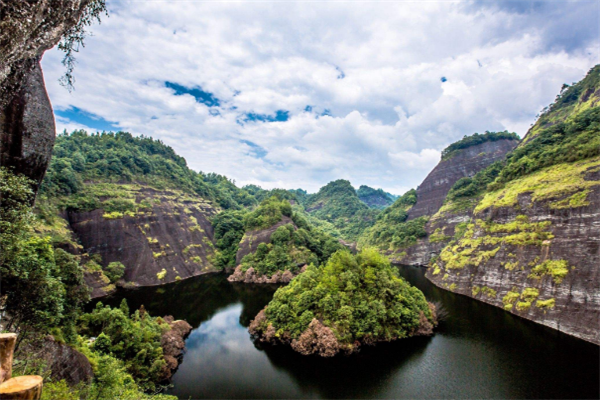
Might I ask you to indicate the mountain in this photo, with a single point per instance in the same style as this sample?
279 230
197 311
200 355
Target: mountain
402 226
115 198
529 243
375 198
338 203
520 234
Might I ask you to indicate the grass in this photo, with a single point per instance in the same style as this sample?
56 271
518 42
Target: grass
554 182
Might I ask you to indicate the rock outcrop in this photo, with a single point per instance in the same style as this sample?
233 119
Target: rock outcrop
252 239
250 276
534 260
27 130
59 360
319 339
173 344
531 243
170 240
465 163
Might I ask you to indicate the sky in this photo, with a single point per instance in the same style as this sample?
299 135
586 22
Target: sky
297 94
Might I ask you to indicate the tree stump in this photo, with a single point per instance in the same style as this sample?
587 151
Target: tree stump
22 388
7 347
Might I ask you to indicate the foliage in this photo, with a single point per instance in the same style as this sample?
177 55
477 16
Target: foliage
229 230
569 102
74 37
41 286
566 142
291 248
111 381
548 161
270 212
361 298
557 269
338 203
135 340
114 271
392 231
482 240
555 182
122 158
473 186
375 198
475 139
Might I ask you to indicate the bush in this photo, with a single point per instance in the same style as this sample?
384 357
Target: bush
114 271
135 340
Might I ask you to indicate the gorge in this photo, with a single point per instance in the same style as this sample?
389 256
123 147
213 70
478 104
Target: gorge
129 274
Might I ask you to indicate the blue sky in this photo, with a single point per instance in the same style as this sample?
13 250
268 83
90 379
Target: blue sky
296 94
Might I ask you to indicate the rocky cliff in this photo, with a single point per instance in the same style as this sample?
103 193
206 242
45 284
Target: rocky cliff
167 237
27 30
529 242
466 162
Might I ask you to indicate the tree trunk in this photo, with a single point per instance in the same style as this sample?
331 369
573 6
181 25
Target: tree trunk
22 388
7 347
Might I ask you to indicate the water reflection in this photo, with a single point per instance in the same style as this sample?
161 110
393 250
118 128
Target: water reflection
478 351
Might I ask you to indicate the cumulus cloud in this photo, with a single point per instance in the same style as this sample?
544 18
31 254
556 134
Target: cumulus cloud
293 95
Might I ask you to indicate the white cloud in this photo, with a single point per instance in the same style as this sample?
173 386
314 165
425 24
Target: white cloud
391 114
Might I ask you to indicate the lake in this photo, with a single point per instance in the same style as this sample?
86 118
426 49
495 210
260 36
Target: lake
478 351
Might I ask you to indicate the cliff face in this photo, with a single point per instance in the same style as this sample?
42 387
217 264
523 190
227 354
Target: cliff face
535 259
27 30
530 242
467 162
169 239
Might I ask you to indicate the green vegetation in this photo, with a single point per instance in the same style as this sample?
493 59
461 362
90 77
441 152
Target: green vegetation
229 230
473 186
291 245
290 249
570 101
338 203
42 286
438 236
551 162
510 299
471 250
392 231
475 139
270 212
550 303
375 198
114 271
122 158
361 298
554 182
133 339
557 269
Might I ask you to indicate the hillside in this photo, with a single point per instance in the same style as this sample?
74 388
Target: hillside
338 203
517 233
401 228
527 242
278 243
115 198
375 198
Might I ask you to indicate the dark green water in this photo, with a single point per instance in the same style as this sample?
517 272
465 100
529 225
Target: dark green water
479 351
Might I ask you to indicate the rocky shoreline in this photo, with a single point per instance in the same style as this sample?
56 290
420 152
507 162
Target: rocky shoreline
250 276
321 340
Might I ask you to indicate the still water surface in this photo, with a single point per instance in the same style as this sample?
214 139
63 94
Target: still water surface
479 351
